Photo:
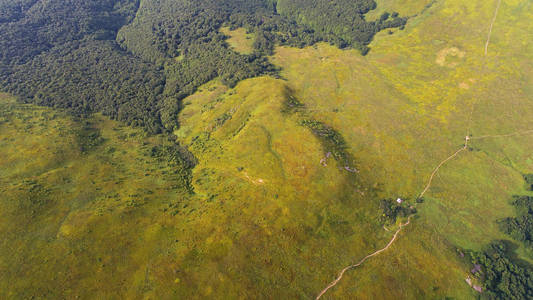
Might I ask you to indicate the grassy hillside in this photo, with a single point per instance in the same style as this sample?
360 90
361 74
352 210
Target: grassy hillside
404 108
95 209
84 204
267 217
262 160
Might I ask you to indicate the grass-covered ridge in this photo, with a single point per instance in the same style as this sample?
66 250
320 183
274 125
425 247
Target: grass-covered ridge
111 216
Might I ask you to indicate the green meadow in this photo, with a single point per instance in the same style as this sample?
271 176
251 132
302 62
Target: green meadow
239 40
92 208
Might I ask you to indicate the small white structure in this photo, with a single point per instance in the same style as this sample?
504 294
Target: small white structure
399 200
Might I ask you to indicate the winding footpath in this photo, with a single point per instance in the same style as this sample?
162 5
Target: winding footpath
402 225
467 138
334 282
428 185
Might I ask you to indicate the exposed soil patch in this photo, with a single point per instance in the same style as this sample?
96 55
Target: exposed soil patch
443 54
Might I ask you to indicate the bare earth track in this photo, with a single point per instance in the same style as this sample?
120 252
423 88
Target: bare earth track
334 282
491 25
526 132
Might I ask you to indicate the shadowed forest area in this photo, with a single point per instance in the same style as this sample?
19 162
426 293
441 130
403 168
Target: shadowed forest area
118 57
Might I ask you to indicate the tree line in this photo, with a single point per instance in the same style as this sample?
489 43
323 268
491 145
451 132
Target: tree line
503 275
135 63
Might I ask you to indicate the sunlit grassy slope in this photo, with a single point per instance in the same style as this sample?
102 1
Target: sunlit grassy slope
403 109
267 219
262 170
84 206
97 216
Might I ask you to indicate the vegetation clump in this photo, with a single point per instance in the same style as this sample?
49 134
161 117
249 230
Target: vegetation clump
222 119
179 160
503 276
392 209
529 181
88 137
332 140
37 196
520 227
291 105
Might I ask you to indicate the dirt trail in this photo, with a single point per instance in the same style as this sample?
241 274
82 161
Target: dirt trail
402 225
467 138
334 282
426 188
526 132
491 25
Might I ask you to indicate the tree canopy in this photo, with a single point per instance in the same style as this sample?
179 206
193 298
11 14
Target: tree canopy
135 61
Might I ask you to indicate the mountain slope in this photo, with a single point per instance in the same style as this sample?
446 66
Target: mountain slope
271 185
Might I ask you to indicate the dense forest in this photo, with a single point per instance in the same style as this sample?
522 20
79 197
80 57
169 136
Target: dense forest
341 22
503 277
520 228
134 61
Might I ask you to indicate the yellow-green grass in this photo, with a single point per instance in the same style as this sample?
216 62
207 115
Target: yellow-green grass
267 220
239 40
265 167
260 161
402 113
110 223
267 217
75 223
